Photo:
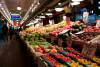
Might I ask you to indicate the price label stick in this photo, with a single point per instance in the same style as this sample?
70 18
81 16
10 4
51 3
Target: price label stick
52 39
69 42
60 42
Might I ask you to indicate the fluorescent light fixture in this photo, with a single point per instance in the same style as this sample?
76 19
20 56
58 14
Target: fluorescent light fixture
98 7
75 3
77 0
38 19
19 8
42 16
59 9
49 14
99 2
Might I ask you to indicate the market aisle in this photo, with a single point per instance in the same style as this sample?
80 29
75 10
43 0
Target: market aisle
12 55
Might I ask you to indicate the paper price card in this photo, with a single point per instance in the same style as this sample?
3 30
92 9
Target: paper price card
85 17
52 39
69 42
60 42
89 50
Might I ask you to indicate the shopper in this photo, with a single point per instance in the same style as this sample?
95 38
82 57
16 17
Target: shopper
5 32
11 32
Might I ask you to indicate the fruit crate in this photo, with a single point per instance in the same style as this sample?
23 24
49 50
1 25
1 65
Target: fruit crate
50 64
62 52
94 61
74 59
67 50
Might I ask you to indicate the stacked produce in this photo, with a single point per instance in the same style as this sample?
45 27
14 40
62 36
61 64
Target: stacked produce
86 36
63 36
56 32
33 37
76 28
43 47
92 29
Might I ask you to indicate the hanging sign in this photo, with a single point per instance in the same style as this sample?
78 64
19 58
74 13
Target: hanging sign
85 17
60 42
98 24
89 50
69 42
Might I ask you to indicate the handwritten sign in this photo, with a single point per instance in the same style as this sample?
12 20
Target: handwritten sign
69 42
98 24
89 50
85 17
60 42
52 39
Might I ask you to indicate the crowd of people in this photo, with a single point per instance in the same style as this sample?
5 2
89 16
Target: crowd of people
7 32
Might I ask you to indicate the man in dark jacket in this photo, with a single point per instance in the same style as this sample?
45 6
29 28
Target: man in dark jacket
5 32
11 32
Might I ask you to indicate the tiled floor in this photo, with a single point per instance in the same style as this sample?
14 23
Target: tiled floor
12 54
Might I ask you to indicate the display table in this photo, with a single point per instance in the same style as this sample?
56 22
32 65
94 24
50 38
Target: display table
30 49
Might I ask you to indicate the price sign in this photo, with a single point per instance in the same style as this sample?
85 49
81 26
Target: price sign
89 50
69 42
98 24
85 17
60 42
52 39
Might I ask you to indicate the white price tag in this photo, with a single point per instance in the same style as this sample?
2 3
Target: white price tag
85 17
98 24
89 50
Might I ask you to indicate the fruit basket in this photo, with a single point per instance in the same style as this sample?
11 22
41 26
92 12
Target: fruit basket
53 64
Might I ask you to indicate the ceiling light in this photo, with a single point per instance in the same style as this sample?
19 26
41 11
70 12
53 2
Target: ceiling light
98 7
38 19
19 8
32 5
49 14
77 0
59 9
59 3
42 16
75 3
38 3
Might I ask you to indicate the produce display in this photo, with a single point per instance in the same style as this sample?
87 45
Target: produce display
92 29
43 47
33 37
70 58
86 36
77 27
56 56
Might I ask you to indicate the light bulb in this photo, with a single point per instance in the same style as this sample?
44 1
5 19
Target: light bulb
19 8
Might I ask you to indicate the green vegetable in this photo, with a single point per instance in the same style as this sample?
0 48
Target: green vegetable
32 43
36 38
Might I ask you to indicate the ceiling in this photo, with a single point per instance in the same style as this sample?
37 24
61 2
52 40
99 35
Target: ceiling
13 4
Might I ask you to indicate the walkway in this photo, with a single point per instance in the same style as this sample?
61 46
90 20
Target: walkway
12 54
